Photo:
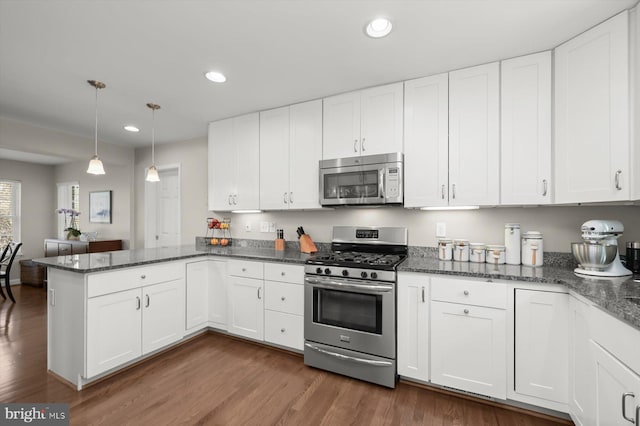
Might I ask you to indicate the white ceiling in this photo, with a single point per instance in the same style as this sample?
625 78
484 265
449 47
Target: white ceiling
274 53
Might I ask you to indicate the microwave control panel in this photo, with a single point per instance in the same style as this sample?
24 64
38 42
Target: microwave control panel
392 187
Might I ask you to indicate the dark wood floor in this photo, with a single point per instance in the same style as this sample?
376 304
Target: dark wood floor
215 379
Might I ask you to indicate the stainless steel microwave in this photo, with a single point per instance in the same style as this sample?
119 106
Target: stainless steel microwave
364 180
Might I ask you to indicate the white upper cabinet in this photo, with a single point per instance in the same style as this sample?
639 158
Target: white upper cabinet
365 122
526 130
591 146
234 163
426 141
290 150
474 135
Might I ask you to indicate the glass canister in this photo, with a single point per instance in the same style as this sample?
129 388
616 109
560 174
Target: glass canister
477 252
512 243
445 249
496 255
461 250
532 248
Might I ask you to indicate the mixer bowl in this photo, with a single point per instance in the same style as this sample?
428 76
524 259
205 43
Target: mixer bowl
594 256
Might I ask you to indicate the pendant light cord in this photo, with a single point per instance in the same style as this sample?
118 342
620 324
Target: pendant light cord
153 136
96 131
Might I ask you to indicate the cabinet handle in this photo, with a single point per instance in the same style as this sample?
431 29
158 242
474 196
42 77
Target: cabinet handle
618 173
284 198
52 296
229 199
282 330
291 198
466 292
453 191
442 191
544 187
148 301
466 311
637 415
283 298
355 145
138 304
259 288
143 276
235 199
362 145
624 407
423 294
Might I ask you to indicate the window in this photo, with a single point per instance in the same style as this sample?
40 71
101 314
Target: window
68 198
9 211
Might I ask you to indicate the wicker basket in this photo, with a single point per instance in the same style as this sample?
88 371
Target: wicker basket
32 273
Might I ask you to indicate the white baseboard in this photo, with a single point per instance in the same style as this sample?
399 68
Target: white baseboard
15 281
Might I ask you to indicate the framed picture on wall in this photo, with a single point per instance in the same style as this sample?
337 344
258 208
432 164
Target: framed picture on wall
100 207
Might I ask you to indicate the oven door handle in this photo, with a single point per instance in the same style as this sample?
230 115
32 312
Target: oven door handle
353 285
371 362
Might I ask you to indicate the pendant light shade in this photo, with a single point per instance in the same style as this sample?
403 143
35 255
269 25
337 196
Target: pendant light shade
152 172
95 165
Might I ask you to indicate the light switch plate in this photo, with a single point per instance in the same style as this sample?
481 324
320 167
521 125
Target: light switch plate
272 227
247 226
441 229
264 226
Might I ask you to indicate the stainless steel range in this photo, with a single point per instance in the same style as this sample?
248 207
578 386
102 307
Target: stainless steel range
350 303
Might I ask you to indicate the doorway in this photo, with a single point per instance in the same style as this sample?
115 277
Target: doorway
162 209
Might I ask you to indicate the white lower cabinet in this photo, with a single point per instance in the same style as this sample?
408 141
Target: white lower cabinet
284 329
284 305
197 295
541 350
217 293
162 315
413 326
245 299
581 379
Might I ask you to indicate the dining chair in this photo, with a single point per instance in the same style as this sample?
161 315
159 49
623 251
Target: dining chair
5 274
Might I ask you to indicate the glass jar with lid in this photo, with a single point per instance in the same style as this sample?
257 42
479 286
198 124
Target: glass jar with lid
445 249
496 254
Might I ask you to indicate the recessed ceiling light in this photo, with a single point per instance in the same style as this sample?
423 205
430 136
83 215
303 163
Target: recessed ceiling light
130 128
379 27
215 76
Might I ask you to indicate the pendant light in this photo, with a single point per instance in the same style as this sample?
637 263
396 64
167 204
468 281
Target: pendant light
152 172
95 165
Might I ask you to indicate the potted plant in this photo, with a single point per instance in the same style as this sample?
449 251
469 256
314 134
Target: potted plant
73 233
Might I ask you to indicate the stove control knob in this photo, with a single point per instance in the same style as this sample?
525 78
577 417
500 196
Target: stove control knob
363 274
374 275
318 270
345 272
327 271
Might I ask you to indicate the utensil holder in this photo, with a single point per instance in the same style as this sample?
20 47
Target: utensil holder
279 244
306 245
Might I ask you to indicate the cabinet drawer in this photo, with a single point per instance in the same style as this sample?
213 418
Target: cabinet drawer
125 279
284 297
284 272
245 268
284 329
469 292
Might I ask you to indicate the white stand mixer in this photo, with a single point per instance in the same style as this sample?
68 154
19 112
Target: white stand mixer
602 233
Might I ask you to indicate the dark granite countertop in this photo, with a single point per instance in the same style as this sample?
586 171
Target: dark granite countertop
619 296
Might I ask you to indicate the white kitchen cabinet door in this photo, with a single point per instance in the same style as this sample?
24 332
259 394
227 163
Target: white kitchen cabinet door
413 326
474 136
162 314
615 385
468 348
246 137
381 112
581 366
114 330
341 126
426 141
274 159
197 298
221 165
591 145
218 293
305 153
526 130
284 329
246 307
541 347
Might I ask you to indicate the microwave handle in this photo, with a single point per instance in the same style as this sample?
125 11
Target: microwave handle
381 182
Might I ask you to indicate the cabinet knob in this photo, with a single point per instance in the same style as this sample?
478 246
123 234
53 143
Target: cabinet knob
466 292
466 311
282 273
282 330
244 269
283 298
143 276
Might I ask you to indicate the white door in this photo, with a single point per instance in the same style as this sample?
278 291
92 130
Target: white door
581 366
426 141
526 130
305 153
468 348
114 324
274 159
474 135
381 111
218 293
167 211
592 114
615 385
413 326
197 294
246 138
246 307
341 126
541 349
221 165
163 314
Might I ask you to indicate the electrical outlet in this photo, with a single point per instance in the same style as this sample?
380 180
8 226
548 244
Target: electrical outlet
264 226
247 226
441 229
272 227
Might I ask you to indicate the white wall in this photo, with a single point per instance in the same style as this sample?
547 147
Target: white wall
37 208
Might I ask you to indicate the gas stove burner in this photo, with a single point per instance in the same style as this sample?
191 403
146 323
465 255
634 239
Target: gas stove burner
358 259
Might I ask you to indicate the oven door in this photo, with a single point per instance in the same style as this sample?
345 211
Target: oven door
353 314
352 185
